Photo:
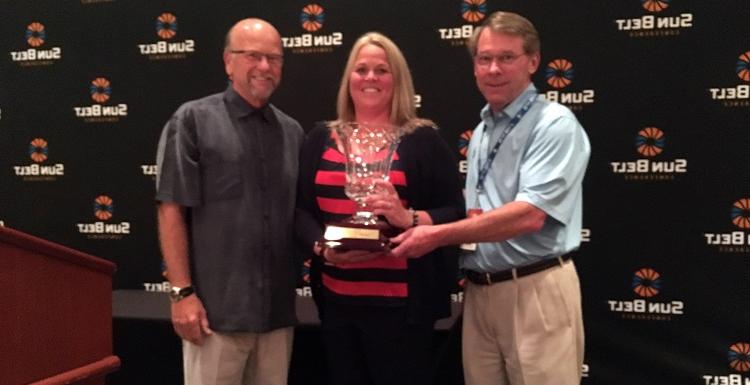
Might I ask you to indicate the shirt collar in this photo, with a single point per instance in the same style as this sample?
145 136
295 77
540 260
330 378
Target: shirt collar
510 110
240 108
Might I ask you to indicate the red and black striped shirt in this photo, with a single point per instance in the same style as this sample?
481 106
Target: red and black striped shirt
380 281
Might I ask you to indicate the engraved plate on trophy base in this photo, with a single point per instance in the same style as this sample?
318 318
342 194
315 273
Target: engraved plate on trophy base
346 235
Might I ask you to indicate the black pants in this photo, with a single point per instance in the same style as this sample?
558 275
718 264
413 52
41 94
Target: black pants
371 345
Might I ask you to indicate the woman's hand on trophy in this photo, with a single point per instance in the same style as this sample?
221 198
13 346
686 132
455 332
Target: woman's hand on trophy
387 203
349 256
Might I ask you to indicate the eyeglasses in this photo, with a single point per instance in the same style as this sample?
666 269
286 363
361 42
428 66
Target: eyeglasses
257 57
485 60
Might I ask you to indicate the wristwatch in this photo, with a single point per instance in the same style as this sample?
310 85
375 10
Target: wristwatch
176 294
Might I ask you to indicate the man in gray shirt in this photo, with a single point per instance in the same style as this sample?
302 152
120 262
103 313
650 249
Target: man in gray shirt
227 171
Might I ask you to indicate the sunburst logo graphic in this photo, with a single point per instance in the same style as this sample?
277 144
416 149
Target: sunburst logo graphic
739 357
312 17
646 282
743 66
35 34
655 5
166 25
38 150
461 279
741 213
100 90
559 73
305 273
463 142
473 10
103 207
650 141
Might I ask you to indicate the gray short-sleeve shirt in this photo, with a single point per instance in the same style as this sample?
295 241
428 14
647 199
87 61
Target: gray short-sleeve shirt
234 168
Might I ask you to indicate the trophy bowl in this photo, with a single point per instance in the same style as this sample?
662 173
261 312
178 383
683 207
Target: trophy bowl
368 150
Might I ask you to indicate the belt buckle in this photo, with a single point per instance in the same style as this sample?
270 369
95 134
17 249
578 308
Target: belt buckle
488 278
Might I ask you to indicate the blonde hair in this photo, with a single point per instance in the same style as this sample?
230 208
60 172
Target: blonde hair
508 23
403 109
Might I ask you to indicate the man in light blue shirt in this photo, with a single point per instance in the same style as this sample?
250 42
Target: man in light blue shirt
541 162
527 159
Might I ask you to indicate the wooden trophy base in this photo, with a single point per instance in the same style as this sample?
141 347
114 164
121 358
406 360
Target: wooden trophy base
346 235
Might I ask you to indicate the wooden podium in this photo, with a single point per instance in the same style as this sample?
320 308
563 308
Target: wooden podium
55 313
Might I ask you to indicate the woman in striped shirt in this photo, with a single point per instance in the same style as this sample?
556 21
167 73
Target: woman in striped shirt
378 311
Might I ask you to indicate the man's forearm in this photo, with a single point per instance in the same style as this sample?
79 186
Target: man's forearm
512 220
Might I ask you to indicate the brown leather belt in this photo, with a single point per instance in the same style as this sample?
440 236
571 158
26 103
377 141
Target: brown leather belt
490 278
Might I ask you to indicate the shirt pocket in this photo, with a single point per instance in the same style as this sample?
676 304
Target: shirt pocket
222 181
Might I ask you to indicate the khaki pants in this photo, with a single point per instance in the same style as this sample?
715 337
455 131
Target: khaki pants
525 331
239 358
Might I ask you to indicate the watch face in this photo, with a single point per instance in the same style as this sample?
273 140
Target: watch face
178 293
174 293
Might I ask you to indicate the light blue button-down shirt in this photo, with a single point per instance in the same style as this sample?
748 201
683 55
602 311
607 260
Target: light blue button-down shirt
542 162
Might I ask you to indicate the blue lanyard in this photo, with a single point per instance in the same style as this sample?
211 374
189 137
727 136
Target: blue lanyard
491 156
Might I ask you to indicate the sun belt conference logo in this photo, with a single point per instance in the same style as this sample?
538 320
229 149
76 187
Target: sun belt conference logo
741 213
103 210
650 142
38 151
458 296
167 49
646 284
655 23
103 207
737 241
303 289
743 66
738 357
739 95
463 148
35 36
100 91
166 25
305 273
559 75
463 142
471 11
311 19
655 5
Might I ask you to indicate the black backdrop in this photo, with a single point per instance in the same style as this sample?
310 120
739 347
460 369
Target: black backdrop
660 86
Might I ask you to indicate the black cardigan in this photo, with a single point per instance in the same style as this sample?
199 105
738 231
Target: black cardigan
434 185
